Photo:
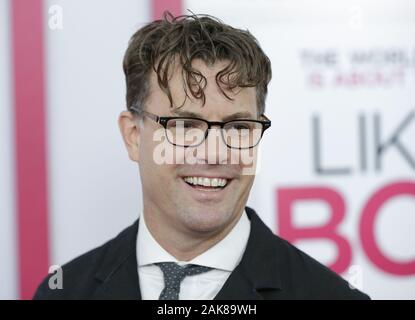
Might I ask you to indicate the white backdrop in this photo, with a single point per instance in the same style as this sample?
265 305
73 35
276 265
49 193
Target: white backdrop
94 188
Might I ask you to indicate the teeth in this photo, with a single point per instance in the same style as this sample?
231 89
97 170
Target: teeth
206 182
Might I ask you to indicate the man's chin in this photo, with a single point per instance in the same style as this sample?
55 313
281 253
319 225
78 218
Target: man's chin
206 220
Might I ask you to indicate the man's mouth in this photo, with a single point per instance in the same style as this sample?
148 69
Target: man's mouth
206 183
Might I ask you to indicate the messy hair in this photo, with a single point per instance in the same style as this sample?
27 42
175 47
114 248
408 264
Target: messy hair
160 44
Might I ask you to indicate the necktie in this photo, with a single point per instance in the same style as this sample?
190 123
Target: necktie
174 275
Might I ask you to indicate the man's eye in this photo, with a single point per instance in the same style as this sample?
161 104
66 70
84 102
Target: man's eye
188 124
181 124
240 126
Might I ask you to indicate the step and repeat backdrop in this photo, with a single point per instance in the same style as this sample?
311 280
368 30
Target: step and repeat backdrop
337 168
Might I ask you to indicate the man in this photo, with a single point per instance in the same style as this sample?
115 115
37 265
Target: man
196 93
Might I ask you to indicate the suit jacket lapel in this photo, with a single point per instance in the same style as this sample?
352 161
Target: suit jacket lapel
257 275
118 273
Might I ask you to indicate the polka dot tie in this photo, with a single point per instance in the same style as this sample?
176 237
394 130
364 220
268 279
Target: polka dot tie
174 275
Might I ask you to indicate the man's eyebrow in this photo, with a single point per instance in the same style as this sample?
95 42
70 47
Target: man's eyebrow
237 115
184 113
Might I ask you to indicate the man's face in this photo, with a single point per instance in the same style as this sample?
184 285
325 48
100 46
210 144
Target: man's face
167 197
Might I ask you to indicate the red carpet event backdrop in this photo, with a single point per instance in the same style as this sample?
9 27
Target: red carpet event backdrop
336 173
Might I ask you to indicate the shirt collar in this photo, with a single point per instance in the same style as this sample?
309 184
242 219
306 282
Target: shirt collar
225 255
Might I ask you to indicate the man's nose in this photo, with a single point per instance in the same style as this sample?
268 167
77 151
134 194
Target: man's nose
213 149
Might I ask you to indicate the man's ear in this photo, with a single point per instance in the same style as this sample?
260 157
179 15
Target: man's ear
130 131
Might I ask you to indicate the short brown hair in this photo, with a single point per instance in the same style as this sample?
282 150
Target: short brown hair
187 37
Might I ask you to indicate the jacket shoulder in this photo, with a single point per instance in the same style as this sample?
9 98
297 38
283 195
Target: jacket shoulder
298 275
306 278
79 275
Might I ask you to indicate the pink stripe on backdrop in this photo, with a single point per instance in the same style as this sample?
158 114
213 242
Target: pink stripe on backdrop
30 143
159 6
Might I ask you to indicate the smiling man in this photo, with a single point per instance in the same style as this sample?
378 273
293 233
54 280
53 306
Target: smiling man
196 92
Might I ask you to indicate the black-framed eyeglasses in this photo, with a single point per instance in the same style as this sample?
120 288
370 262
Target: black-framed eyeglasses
191 132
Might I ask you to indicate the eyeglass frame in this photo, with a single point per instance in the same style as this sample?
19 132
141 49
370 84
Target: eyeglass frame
164 120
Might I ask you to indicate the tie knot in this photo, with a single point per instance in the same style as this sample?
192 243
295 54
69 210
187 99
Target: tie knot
176 271
174 275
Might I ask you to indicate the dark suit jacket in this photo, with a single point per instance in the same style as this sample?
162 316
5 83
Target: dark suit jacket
271 268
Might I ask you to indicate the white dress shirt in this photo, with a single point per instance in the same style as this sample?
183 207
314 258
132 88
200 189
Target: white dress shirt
223 257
